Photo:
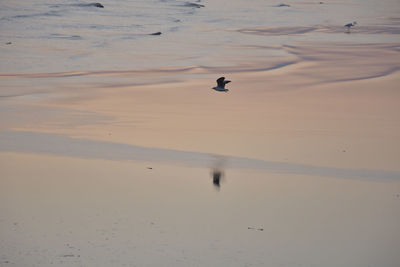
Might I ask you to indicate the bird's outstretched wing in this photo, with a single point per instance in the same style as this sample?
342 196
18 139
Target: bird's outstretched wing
220 82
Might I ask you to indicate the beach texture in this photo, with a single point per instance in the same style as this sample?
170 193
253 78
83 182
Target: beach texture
111 133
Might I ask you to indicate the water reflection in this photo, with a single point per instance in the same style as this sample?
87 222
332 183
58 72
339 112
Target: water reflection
218 172
217 175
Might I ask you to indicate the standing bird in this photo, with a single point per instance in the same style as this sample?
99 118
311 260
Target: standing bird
221 85
349 25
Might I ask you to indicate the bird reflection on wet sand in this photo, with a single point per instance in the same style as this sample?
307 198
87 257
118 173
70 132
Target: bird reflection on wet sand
217 172
217 175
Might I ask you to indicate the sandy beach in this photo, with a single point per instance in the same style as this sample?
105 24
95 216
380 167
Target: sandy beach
110 135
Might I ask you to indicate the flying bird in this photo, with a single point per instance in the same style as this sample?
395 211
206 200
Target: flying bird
349 25
221 85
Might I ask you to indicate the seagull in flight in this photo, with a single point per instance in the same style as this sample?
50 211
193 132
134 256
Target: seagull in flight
221 85
349 25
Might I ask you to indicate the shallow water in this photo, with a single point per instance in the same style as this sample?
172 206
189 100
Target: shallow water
109 135
63 36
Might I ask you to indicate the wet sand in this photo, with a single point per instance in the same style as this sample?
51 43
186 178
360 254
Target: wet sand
335 105
66 211
122 176
112 162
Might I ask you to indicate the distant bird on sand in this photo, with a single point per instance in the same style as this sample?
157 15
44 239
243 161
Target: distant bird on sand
349 25
221 85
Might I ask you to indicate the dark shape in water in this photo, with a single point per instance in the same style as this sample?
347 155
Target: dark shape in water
149 168
96 5
282 5
155 33
8 43
90 4
188 4
258 229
